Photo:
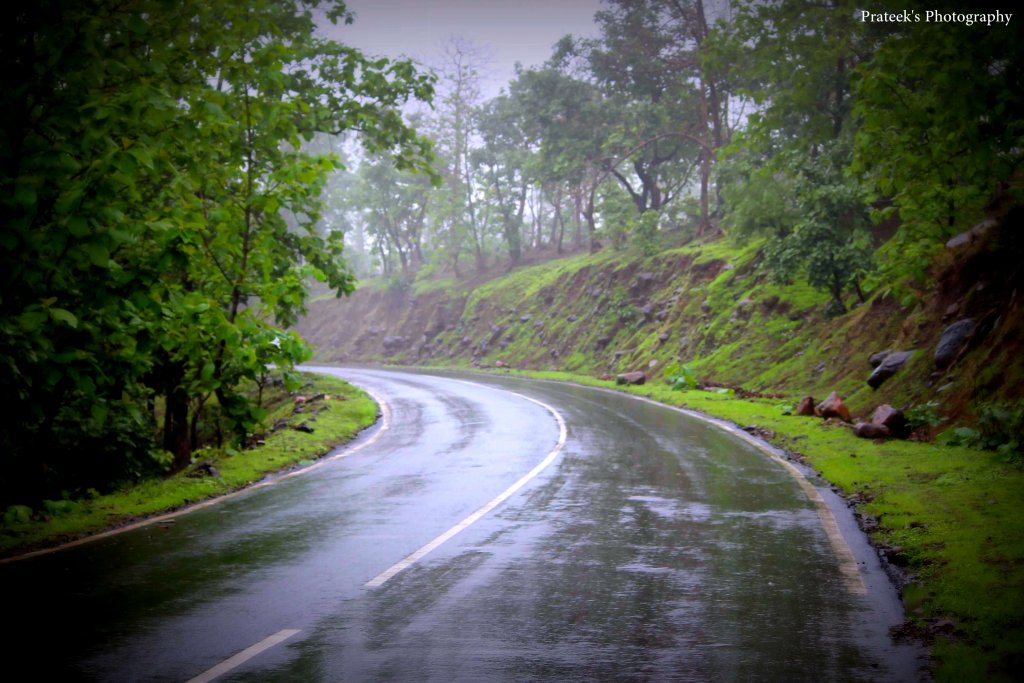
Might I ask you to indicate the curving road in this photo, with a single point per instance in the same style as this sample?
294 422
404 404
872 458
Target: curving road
491 530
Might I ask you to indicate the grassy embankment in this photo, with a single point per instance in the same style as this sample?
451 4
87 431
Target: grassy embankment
334 421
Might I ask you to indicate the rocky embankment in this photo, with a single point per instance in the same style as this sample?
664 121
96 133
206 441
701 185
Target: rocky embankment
711 308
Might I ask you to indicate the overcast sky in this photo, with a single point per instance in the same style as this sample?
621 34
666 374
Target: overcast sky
511 30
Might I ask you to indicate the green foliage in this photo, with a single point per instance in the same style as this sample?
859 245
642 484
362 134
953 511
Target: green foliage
680 377
159 219
923 415
941 123
337 421
646 235
1000 428
17 514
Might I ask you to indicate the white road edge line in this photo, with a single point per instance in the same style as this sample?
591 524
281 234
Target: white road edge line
385 424
418 555
244 656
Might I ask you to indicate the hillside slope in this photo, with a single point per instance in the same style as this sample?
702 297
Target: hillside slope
712 307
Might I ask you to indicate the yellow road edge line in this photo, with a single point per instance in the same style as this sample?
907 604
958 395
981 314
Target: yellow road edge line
848 567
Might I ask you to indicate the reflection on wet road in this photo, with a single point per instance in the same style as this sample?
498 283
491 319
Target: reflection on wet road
653 547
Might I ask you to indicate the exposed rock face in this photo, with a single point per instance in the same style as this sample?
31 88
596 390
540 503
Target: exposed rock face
952 341
806 406
833 406
870 430
888 367
638 377
892 419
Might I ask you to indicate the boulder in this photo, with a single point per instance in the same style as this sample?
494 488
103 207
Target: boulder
602 341
742 310
888 367
870 430
394 343
204 469
952 341
643 281
805 406
876 358
975 233
500 364
833 406
638 377
892 419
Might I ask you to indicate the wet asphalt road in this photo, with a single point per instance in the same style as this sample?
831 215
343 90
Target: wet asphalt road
650 547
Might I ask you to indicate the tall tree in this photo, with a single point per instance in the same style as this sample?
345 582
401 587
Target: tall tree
796 61
458 215
940 107
394 209
147 153
505 155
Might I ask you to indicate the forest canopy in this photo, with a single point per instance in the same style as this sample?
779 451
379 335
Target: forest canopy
821 128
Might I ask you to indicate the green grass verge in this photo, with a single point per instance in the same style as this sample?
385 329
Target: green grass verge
948 516
334 421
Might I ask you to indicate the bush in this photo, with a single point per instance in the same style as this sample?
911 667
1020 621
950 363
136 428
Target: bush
923 415
680 377
1000 428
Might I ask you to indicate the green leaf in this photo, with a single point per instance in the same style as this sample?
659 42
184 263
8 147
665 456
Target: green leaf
64 316
99 411
78 226
207 372
98 255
